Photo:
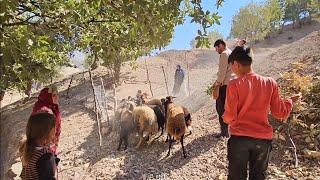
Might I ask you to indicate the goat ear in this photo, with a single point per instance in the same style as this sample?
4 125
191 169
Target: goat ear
131 107
173 97
188 117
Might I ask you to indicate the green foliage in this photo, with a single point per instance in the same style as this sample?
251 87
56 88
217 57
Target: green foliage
256 21
209 89
306 111
273 13
249 23
37 36
295 8
213 36
193 44
29 54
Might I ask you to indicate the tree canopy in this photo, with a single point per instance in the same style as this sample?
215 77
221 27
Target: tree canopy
37 36
256 21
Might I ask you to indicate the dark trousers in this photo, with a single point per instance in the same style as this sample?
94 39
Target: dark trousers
220 110
244 150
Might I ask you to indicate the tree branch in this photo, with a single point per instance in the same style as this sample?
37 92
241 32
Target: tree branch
93 20
111 4
21 22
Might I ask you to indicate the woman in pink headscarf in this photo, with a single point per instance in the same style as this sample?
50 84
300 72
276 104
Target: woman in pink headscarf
48 101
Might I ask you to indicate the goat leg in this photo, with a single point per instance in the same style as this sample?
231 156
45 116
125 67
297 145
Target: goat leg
183 150
140 140
162 130
120 142
125 143
167 138
170 144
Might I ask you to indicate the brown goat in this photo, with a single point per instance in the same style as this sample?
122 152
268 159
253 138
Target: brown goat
176 125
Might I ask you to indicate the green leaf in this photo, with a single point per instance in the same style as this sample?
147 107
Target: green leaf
199 33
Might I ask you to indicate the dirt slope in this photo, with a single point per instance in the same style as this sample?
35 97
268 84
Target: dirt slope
82 158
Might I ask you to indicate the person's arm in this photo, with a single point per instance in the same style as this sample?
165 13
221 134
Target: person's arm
46 167
182 73
231 104
223 67
176 73
280 109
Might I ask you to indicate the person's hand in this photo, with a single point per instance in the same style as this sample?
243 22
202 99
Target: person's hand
56 141
295 98
216 83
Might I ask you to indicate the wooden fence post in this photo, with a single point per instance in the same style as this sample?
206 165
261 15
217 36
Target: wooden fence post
188 72
96 108
85 88
68 95
145 61
165 80
115 98
105 100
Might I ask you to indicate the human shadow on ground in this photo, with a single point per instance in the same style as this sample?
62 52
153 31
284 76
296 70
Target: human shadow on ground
151 162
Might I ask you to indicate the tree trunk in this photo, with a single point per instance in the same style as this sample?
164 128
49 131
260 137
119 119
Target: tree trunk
2 92
299 21
281 29
94 64
28 89
309 19
116 70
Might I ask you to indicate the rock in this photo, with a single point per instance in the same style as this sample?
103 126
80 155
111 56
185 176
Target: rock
289 173
16 169
68 152
136 171
308 139
312 154
86 165
220 165
311 146
222 176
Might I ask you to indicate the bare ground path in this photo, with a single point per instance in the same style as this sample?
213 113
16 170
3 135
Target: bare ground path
82 158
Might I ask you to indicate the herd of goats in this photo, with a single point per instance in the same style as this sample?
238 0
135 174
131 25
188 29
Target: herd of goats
148 116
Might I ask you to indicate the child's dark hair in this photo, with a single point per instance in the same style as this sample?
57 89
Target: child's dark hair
218 42
242 55
39 127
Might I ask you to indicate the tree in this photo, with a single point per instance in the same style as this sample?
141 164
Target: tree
213 36
109 31
248 23
33 43
193 44
256 21
295 10
273 13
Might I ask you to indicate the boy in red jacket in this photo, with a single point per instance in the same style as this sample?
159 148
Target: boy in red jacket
249 100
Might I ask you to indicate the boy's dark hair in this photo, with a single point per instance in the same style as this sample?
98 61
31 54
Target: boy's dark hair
219 41
242 55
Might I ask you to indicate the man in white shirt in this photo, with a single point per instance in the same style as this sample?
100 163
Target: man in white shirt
224 75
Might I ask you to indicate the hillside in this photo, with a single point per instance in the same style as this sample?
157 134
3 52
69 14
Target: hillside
82 158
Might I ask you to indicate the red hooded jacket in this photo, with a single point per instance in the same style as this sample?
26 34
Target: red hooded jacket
44 102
